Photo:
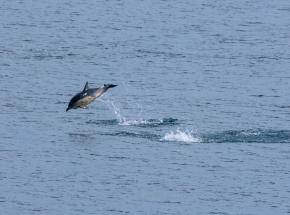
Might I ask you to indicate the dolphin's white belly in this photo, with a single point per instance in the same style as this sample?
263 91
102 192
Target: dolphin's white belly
85 101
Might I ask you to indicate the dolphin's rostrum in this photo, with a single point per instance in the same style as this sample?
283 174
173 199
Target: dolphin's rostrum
87 96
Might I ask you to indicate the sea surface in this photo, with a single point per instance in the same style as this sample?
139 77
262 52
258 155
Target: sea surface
198 124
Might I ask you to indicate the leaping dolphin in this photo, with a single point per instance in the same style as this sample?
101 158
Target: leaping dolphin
87 96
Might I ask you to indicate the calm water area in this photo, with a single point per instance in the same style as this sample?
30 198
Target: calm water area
198 124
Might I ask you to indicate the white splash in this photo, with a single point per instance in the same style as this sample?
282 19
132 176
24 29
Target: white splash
122 119
116 110
142 121
250 133
180 136
134 122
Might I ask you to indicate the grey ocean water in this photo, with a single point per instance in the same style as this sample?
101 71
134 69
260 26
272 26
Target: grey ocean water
198 124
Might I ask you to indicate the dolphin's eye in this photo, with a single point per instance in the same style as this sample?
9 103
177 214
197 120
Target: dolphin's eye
85 94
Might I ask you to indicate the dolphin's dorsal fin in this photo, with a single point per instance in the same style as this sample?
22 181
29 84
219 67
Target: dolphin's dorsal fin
86 86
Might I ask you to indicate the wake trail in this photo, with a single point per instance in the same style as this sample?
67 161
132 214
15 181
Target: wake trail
186 136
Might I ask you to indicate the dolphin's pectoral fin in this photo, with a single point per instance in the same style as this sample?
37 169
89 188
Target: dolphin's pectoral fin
85 107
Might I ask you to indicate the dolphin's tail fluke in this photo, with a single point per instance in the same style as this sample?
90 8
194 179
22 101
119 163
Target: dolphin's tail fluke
109 85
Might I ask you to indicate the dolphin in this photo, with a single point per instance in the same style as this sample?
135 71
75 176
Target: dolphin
87 96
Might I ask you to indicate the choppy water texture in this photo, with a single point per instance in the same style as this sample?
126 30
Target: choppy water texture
198 124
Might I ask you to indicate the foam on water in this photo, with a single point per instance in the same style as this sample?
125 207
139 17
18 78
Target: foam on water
180 136
138 122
